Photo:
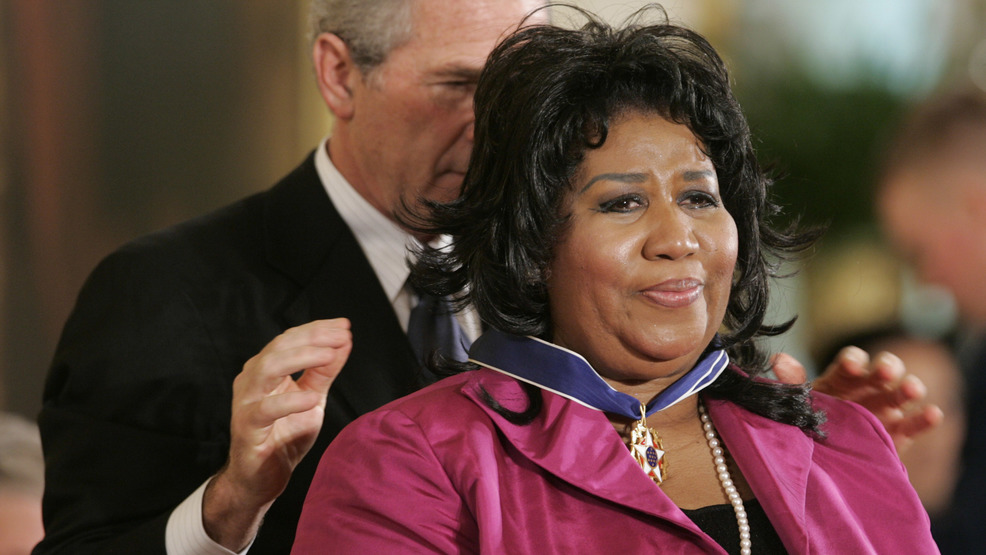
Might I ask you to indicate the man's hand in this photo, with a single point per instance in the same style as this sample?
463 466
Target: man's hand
880 385
275 420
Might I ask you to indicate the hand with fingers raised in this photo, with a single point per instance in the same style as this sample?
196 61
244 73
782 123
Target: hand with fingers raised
879 383
275 421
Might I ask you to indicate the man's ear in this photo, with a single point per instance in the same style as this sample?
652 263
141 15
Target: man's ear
335 73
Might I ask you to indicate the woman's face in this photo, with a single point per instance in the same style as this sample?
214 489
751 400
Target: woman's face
640 279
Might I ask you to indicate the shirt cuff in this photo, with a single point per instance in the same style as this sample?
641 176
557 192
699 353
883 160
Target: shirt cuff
185 533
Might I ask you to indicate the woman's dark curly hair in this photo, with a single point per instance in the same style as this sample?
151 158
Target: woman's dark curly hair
546 96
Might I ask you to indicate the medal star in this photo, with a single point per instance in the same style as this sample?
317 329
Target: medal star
648 451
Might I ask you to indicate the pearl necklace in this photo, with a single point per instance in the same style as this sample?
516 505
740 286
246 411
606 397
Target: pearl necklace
746 546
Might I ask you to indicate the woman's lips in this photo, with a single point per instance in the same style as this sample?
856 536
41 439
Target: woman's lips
675 293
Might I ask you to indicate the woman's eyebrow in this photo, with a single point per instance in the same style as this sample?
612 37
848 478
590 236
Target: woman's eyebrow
699 175
621 177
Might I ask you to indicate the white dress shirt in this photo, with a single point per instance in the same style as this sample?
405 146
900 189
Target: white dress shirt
386 246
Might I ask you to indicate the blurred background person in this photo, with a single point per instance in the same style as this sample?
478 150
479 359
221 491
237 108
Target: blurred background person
932 203
21 485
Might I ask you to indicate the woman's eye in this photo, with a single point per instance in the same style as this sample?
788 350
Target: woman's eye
700 199
625 203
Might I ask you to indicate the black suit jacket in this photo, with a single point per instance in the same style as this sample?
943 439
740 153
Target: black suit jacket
137 402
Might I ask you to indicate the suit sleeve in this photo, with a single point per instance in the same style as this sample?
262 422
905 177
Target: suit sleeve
136 410
380 488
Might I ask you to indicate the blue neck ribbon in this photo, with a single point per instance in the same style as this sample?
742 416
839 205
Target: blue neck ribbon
568 374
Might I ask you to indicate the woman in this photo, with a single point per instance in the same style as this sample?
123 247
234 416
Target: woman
612 233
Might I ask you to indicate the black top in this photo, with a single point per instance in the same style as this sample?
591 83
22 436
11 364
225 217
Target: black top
719 522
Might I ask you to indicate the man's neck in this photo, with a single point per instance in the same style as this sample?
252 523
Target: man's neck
341 154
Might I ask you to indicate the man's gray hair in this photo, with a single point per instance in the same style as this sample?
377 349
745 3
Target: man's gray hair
370 28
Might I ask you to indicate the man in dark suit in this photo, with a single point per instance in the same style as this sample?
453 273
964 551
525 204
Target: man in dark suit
164 429
932 201
141 407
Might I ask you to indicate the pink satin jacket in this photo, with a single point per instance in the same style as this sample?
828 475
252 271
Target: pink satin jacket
440 472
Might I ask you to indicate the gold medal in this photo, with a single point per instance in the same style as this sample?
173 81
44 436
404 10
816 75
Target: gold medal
648 450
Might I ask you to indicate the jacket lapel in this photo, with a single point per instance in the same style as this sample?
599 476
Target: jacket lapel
565 441
307 240
775 458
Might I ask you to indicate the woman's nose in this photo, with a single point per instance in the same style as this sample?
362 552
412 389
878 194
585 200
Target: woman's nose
671 236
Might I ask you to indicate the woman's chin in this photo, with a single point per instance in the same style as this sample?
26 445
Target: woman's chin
666 349
651 362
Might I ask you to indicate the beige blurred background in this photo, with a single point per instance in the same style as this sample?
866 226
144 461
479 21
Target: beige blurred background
119 117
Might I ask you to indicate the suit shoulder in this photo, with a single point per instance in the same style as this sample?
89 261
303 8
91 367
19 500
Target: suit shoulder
231 225
223 241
